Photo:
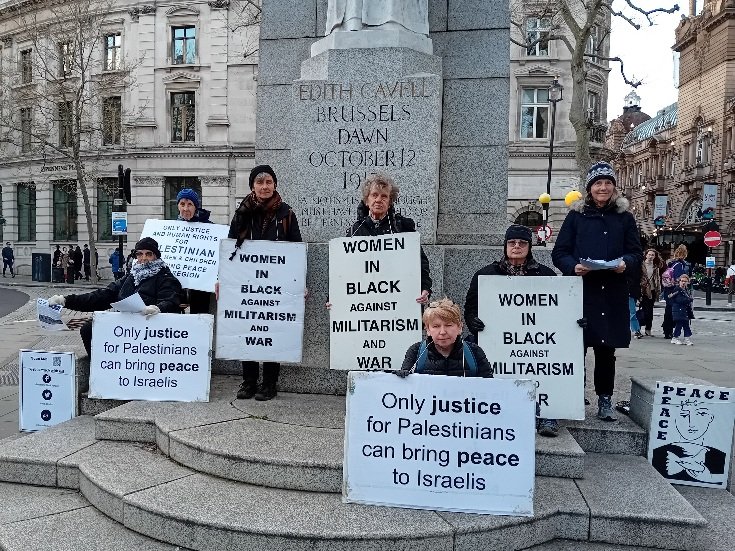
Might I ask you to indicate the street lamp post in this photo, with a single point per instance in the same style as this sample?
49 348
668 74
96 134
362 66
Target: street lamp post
556 93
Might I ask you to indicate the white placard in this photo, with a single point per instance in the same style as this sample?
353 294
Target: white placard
260 311
165 357
189 249
49 315
373 286
47 394
403 448
690 436
531 330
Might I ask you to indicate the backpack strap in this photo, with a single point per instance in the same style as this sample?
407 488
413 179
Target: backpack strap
421 359
469 358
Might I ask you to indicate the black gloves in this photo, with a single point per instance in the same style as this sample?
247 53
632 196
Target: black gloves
402 373
475 325
582 322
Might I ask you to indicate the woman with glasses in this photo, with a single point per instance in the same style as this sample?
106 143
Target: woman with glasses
517 261
600 227
149 277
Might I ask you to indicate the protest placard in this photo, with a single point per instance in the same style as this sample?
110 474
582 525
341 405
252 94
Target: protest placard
531 330
690 437
189 249
165 357
373 285
47 394
441 443
260 311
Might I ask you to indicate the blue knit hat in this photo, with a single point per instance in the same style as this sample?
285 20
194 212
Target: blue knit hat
188 193
599 171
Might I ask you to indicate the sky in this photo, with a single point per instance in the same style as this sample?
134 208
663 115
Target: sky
647 54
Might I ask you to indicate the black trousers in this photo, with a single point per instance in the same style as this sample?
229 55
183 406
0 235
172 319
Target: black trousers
86 332
270 373
8 264
668 325
87 271
647 305
199 301
604 369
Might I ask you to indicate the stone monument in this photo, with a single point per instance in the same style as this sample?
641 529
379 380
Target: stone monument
415 88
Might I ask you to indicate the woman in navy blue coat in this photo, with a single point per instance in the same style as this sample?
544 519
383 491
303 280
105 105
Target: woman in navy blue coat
599 227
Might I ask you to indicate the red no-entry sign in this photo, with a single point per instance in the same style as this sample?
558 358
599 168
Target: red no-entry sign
712 238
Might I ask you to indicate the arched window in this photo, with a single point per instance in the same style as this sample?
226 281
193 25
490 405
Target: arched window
530 218
693 213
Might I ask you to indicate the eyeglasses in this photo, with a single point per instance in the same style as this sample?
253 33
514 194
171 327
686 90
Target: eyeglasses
518 243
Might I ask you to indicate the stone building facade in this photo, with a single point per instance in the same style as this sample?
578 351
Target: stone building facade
187 119
532 71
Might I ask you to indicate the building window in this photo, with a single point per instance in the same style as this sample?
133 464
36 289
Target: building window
65 124
537 34
26 66
66 58
183 117
106 193
530 218
693 213
65 210
534 113
593 106
26 120
703 147
26 196
183 47
113 43
111 120
593 45
173 185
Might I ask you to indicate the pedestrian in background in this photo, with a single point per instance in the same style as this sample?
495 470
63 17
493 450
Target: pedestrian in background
600 227
78 262
8 259
262 215
57 257
651 270
730 283
681 310
116 263
674 269
87 261
634 296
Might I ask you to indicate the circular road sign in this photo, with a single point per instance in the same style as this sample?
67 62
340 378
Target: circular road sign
544 233
712 238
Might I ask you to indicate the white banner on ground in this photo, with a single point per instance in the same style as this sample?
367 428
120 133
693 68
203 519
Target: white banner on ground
373 285
690 437
531 330
441 443
166 357
260 311
47 394
189 249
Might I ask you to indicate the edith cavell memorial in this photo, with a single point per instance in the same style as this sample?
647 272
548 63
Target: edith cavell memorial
414 88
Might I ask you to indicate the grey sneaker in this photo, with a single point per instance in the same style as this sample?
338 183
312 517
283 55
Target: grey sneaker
604 408
548 427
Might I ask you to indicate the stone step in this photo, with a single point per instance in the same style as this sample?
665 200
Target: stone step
38 518
294 442
597 436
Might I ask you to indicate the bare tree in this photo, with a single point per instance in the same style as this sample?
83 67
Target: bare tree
572 23
66 90
247 16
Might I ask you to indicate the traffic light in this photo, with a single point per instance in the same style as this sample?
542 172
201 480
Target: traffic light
123 182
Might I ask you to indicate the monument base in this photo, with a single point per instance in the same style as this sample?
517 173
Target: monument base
378 38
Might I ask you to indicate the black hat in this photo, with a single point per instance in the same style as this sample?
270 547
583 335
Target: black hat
260 169
516 231
148 244
600 171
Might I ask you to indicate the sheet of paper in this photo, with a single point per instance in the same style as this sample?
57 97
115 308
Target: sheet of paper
133 304
49 315
591 264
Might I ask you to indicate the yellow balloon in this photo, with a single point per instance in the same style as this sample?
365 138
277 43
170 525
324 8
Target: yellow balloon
571 197
544 198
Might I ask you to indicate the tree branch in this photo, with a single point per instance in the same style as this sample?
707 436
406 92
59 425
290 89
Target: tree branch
629 82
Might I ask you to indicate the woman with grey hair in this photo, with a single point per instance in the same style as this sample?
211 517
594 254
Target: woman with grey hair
600 227
376 215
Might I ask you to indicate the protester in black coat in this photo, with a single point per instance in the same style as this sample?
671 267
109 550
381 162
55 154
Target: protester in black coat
78 261
8 259
599 227
262 215
87 262
150 278
376 215
445 349
189 205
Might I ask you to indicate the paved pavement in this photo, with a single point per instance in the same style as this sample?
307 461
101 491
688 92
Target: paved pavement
710 358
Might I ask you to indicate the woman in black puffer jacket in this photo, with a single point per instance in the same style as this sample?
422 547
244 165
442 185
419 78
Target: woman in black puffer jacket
445 352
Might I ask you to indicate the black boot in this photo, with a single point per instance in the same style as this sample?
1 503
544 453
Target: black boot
246 390
266 392
249 385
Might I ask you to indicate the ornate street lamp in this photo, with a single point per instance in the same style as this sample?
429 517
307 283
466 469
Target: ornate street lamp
556 94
